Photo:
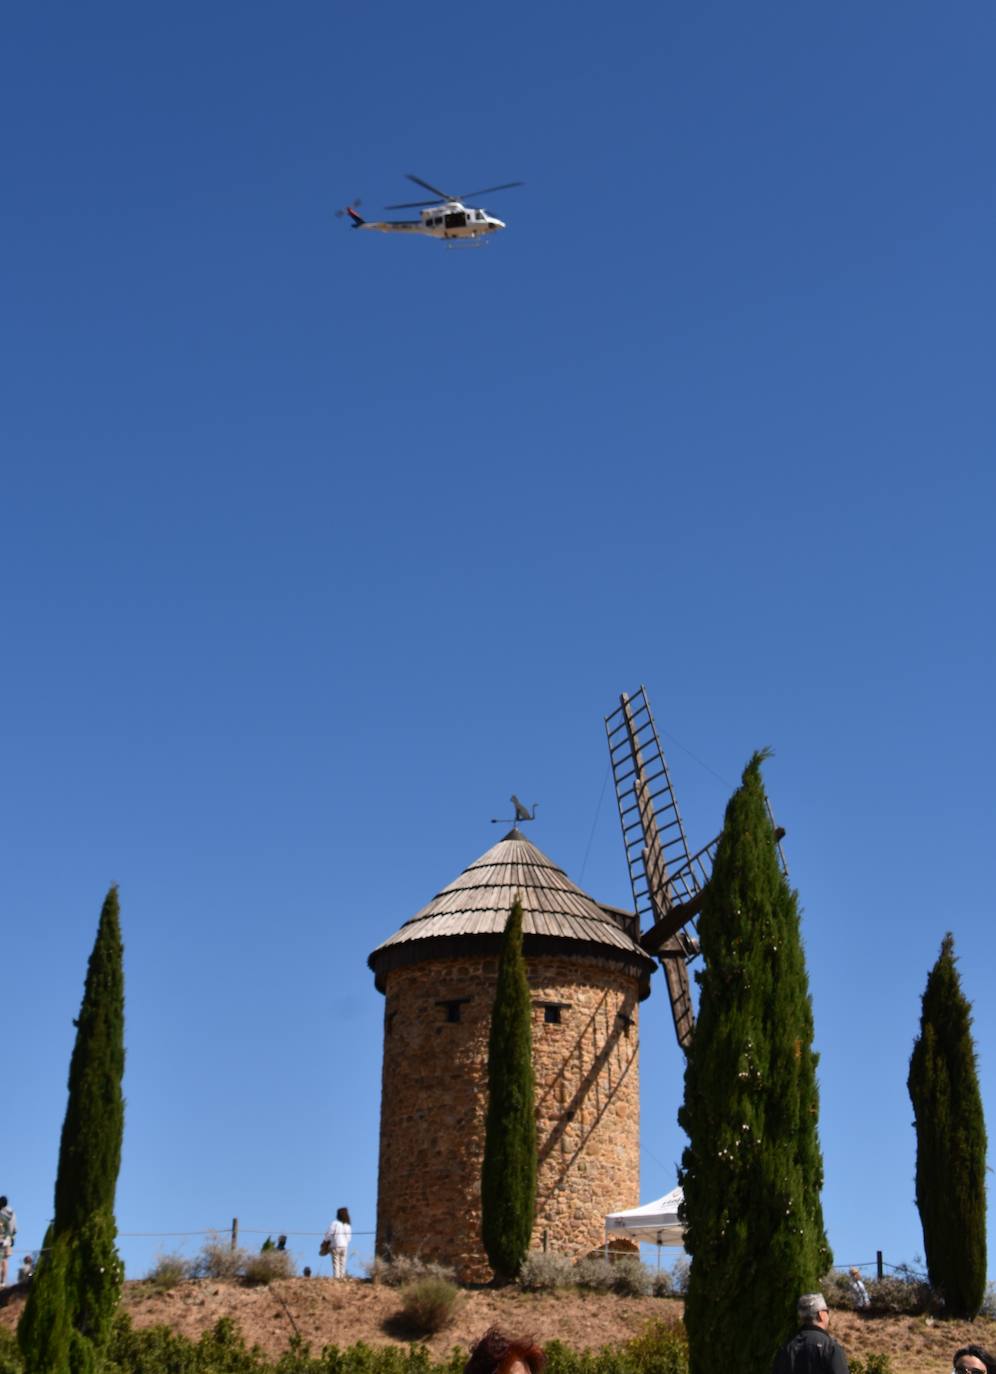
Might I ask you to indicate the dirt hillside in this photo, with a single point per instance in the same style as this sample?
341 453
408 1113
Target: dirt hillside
326 1312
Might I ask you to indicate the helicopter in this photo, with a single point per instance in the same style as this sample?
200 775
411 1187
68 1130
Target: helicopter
446 217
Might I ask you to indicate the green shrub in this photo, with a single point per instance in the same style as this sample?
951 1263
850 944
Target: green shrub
988 1308
10 1354
168 1271
662 1348
267 1266
680 1271
427 1305
397 1271
542 1271
876 1363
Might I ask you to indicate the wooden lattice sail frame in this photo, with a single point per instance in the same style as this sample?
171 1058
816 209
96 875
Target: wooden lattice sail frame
667 880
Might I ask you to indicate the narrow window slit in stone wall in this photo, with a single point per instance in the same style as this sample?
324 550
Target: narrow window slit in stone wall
451 1009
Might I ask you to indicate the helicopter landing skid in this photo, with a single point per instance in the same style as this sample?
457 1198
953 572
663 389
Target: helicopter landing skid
478 241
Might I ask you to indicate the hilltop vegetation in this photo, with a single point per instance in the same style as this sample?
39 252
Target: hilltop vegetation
176 1331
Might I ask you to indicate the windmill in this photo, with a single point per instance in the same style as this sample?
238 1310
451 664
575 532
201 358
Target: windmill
668 881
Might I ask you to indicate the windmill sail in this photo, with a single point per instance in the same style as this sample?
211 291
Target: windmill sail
667 880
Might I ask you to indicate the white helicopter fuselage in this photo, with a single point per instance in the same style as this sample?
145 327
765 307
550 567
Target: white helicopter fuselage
452 220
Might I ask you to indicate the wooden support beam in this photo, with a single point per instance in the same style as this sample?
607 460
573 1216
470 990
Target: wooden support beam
654 940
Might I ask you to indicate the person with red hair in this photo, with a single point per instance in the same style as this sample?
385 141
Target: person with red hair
496 1353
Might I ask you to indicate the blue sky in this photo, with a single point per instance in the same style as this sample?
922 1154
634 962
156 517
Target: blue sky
316 545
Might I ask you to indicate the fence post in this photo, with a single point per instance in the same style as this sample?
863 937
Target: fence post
235 1232
879 1266
546 1240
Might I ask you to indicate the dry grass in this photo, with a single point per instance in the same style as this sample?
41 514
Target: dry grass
340 1313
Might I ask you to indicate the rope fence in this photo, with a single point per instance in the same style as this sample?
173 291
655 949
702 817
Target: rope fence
231 1233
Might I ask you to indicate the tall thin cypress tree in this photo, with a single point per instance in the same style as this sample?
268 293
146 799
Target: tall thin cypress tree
508 1176
752 1171
67 1320
950 1140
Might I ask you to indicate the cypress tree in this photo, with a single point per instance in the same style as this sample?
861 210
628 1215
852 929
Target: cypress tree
950 1141
508 1176
752 1171
67 1319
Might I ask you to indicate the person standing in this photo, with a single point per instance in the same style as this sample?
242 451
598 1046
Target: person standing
338 1236
8 1230
812 1350
858 1290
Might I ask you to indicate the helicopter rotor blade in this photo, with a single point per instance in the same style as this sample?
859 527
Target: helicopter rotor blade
413 204
434 189
487 190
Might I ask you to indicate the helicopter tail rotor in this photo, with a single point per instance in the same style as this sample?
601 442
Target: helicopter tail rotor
350 210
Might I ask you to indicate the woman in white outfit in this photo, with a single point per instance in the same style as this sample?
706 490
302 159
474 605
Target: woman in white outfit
338 1236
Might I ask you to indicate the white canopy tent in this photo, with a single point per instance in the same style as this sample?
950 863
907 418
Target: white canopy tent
654 1222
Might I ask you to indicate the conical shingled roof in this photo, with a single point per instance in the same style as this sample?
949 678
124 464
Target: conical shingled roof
477 903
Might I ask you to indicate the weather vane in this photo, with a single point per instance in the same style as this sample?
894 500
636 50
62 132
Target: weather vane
522 813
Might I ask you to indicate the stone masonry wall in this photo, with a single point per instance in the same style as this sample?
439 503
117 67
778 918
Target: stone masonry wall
433 1104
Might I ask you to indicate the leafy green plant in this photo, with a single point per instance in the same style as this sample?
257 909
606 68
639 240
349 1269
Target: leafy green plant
875 1363
427 1305
661 1348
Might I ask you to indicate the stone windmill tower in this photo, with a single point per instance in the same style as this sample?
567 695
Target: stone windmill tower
588 974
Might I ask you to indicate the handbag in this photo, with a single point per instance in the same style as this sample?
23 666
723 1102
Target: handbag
325 1247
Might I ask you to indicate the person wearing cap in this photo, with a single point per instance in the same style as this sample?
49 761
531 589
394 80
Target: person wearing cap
812 1350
